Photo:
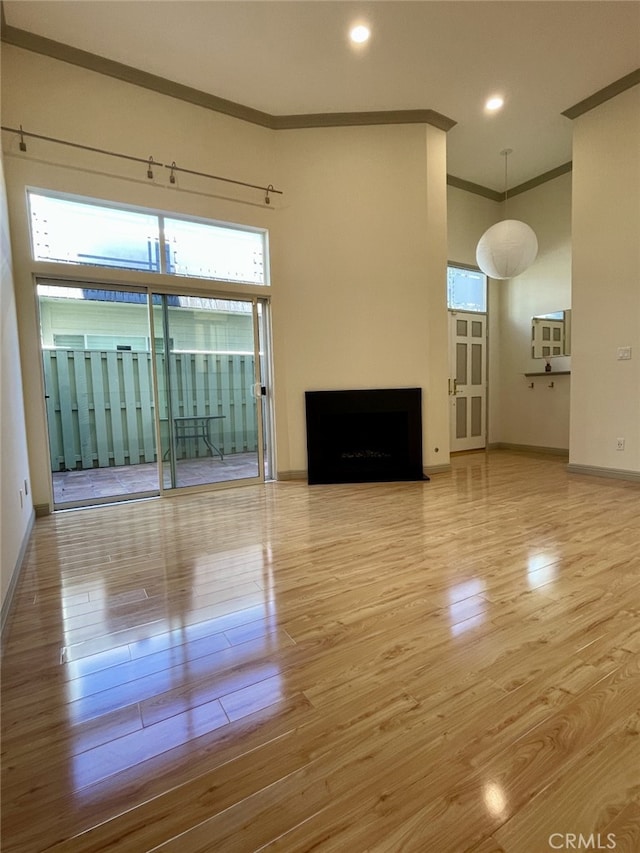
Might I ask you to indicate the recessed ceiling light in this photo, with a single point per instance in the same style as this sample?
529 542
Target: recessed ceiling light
359 34
494 103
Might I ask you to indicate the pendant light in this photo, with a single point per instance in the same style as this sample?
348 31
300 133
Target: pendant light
509 247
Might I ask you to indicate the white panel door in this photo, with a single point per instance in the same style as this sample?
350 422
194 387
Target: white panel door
468 380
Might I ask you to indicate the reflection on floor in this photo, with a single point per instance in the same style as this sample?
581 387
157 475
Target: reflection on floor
74 486
426 667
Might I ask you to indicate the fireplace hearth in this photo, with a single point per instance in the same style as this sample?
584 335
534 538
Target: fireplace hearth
369 435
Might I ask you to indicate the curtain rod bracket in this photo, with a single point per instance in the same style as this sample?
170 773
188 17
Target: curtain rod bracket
150 168
23 144
172 177
269 189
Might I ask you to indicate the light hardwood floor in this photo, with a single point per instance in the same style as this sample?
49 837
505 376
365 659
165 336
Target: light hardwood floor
442 666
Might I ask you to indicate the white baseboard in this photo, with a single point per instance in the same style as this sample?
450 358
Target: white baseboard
597 471
15 577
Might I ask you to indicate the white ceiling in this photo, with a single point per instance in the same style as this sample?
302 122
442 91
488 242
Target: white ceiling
294 57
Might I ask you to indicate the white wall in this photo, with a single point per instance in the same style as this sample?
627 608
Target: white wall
605 395
16 519
537 416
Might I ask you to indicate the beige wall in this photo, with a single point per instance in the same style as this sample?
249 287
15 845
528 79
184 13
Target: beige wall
468 217
360 300
60 100
358 241
519 415
537 416
605 394
358 252
16 519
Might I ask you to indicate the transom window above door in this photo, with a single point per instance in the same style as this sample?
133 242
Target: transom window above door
73 230
466 290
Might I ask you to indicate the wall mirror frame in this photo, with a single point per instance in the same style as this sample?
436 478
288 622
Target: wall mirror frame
551 334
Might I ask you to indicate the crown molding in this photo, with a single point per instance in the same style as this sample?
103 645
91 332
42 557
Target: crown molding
129 74
610 91
494 195
541 179
355 119
477 189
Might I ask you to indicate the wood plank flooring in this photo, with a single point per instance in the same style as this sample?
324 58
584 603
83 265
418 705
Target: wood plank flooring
445 666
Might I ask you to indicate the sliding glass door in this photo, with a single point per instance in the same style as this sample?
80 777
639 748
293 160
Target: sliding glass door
208 370
99 396
132 412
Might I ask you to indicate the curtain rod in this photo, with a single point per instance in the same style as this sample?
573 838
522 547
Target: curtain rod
149 161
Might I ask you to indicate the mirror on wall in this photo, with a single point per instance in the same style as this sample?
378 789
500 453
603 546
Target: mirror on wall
551 334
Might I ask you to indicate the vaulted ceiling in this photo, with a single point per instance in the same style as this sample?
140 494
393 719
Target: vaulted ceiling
294 57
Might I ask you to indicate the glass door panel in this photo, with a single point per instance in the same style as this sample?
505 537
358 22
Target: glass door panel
264 339
205 352
99 394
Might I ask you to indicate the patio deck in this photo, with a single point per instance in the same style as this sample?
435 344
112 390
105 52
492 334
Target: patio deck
129 480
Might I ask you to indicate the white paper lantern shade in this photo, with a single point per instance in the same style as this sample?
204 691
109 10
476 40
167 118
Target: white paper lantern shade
506 249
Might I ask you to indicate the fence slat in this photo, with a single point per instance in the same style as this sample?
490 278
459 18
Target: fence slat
82 408
162 403
201 378
250 426
175 394
222 390
101 404
67 416
49 359
146 407
100 409
237 403
113 396
188 381
132 447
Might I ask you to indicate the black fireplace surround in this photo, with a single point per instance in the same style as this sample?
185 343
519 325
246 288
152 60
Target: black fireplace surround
370 435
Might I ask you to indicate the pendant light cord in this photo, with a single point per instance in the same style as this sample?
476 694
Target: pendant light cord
505 153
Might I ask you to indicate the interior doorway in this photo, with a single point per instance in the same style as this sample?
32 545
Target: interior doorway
468 383
467 301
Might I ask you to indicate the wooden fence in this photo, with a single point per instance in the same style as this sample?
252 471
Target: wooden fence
101 411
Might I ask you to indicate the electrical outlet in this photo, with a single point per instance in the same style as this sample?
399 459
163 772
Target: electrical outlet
624 353
619 443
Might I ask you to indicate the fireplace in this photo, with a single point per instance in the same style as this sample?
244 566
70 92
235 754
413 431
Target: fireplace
364 436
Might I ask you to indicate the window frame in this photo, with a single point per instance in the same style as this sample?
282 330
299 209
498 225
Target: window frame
467 268
160 216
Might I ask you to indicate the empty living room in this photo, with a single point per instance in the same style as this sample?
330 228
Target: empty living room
320 426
